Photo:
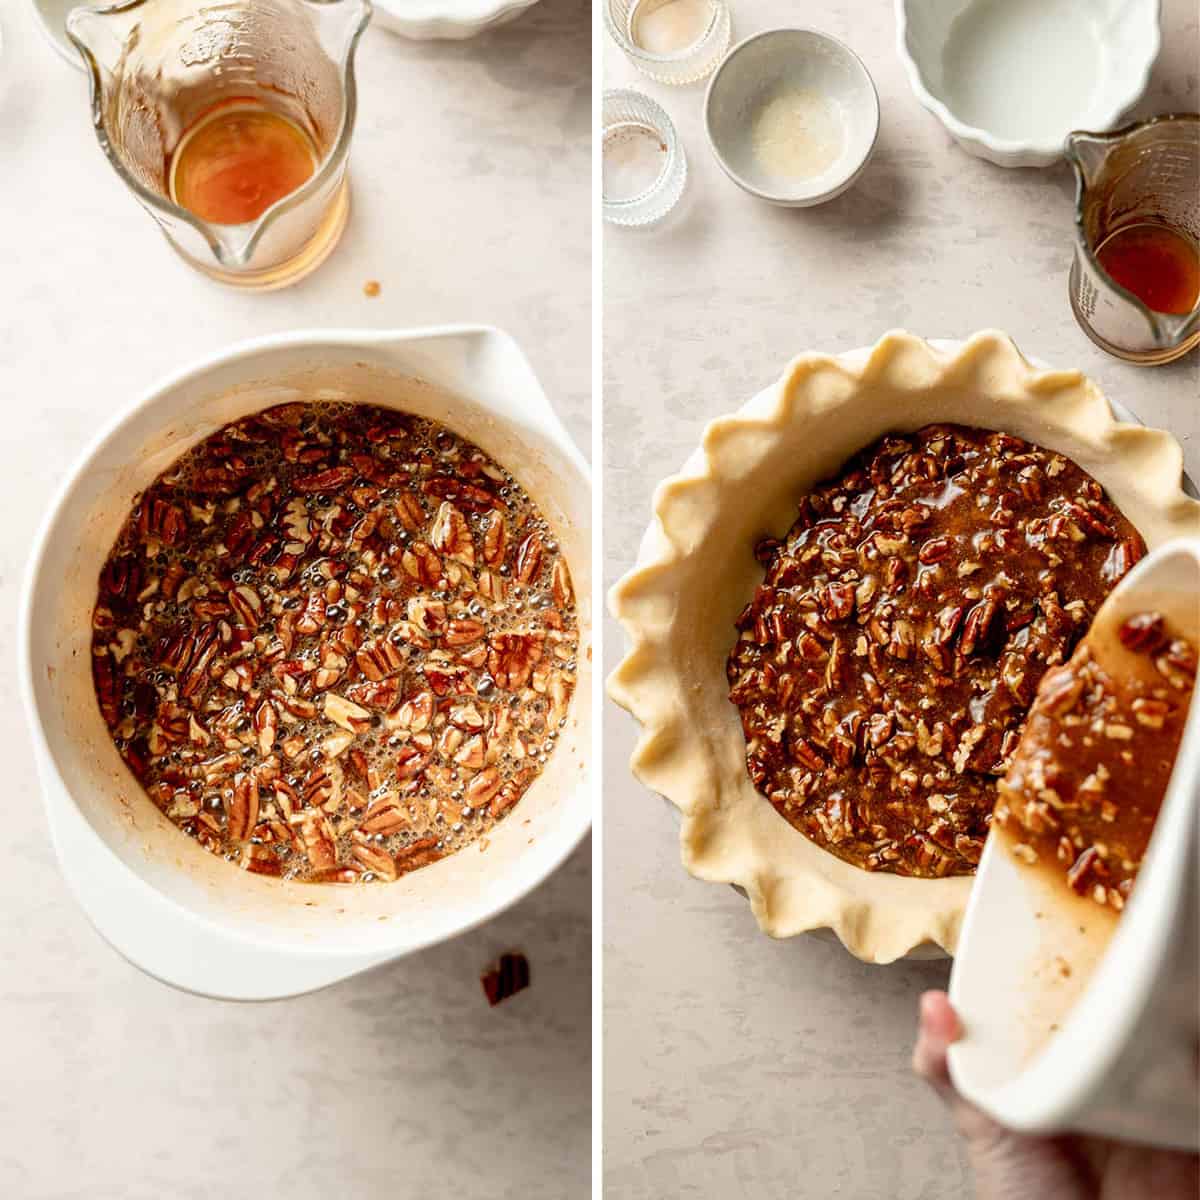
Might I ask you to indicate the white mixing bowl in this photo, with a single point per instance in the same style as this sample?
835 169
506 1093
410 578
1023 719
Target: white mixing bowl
165 903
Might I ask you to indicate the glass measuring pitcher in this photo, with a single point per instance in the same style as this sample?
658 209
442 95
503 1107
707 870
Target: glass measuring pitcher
1143 175
160 68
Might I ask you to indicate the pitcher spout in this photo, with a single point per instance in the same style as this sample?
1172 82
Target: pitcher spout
1178 330
233 245
100 34
340 25
1087 152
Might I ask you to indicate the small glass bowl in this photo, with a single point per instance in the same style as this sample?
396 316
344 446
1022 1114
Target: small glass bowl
671 41
627 115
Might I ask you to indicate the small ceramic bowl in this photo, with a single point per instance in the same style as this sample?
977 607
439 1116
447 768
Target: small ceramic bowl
1011 78
792 116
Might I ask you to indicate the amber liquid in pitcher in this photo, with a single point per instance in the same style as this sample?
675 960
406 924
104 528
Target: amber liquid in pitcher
1160 266
238 159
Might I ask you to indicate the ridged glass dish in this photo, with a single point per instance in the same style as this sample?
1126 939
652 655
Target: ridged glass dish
671 41
644 168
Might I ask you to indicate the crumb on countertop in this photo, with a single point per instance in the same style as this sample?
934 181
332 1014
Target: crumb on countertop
507 977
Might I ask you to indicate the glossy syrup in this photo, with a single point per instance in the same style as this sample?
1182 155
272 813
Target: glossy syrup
1160 266
237 160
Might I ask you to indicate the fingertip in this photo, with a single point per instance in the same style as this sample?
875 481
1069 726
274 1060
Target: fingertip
938 1018
929 1053
932 1001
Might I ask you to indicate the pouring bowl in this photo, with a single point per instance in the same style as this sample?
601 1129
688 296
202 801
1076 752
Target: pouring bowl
174 910
1075 1019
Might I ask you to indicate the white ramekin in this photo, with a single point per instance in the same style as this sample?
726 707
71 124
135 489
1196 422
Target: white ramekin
1127 41
166 904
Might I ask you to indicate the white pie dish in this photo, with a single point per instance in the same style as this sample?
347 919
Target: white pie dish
166 904
453 20
694 572
1009 79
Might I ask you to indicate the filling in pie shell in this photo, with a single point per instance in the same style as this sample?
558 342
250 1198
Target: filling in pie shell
885 666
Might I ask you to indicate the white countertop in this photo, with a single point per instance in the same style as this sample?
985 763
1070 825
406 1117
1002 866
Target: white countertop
736 1066
470 203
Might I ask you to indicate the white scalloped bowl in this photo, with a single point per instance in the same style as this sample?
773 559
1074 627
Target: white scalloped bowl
1011 78
453 20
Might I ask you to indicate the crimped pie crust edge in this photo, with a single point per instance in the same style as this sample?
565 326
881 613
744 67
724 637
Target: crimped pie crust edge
695 570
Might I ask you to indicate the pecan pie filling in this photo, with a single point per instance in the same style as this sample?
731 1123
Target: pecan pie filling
886 664
1086 783
335 642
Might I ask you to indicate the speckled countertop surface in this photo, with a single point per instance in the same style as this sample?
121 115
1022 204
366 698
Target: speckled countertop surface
403 1082
735 1066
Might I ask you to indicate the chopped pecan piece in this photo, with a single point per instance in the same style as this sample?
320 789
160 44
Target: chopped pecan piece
529 558
1143 633
324 481
316 836
371 856
384 816
347 714
423 564
451 535
512 657
509 976
495 540
420 854
241 813
379 658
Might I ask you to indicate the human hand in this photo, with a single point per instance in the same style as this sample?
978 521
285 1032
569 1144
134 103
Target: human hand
1017 1166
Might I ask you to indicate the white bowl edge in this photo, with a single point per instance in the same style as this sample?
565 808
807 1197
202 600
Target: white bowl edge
449 20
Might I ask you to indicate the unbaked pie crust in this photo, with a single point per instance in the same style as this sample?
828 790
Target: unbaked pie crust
696 569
